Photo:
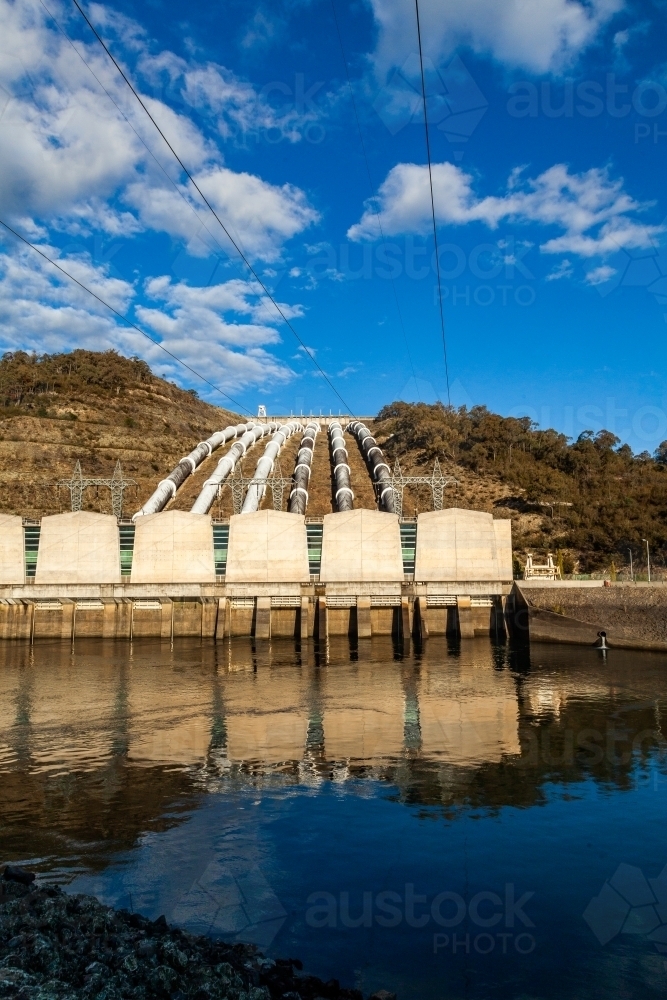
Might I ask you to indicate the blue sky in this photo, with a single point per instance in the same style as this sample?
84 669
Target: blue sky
548 123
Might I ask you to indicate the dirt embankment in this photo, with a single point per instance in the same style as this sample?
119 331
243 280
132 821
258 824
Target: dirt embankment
148 428
625 609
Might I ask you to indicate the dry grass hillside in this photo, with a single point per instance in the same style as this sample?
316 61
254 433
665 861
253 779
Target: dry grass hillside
590 501
95 408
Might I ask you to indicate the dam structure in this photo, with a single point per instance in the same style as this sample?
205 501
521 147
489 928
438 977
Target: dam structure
268 569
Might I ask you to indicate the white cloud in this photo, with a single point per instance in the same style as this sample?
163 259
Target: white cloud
261 31
68 159
259 216
41 310
539 35
262 215
194 324
562 270
236 108
590 208
600 274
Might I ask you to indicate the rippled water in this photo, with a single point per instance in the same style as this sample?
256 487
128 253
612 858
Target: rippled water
475 821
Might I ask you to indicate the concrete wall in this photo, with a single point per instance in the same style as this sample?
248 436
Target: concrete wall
462 545
268 546
80 547
12 569
503 530
173 547
361 545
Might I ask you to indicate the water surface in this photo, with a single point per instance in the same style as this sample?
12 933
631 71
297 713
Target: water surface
474 821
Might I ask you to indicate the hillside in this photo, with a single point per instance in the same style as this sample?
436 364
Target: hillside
96 408
592 499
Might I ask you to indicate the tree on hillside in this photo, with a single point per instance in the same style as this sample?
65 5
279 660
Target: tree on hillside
616 498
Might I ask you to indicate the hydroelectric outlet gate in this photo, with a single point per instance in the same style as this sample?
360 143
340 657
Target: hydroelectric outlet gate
262 572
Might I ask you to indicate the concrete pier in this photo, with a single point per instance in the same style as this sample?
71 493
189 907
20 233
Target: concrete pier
12 568
362 546
462 546
268 546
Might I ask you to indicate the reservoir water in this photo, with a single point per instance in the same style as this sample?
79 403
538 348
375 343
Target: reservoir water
473 821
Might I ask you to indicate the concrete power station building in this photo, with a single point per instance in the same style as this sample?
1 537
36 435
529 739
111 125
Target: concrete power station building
261 572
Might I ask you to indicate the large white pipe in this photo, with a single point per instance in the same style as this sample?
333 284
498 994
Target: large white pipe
298 498
227 464
380 471
257 488
341 470
168 487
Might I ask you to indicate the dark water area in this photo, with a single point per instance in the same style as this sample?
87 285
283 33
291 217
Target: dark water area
473 821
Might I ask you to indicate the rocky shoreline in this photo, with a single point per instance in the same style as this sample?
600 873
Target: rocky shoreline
56 946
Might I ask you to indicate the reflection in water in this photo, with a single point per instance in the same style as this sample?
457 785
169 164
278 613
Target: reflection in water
224 784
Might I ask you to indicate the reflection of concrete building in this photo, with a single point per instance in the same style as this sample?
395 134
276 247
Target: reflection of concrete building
266 715
363 713
174 740
166 711
468 713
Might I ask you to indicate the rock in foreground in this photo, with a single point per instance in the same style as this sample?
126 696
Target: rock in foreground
54 946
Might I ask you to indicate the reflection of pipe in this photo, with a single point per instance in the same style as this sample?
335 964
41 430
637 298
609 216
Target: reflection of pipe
226 466
344 495
256 490
380 472
298 498
168 487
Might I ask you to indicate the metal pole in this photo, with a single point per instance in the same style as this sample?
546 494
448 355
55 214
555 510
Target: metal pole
648 559
632 575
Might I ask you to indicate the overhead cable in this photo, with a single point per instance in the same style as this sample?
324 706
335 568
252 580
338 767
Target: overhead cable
201 194
430 181
141 139
120 316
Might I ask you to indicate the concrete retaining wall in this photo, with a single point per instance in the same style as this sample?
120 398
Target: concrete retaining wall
173 547
11 549
632 617
361 545
80 547
462 545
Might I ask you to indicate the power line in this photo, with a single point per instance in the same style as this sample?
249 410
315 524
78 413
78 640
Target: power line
211 209
370 182
123 318
139 137
430 181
